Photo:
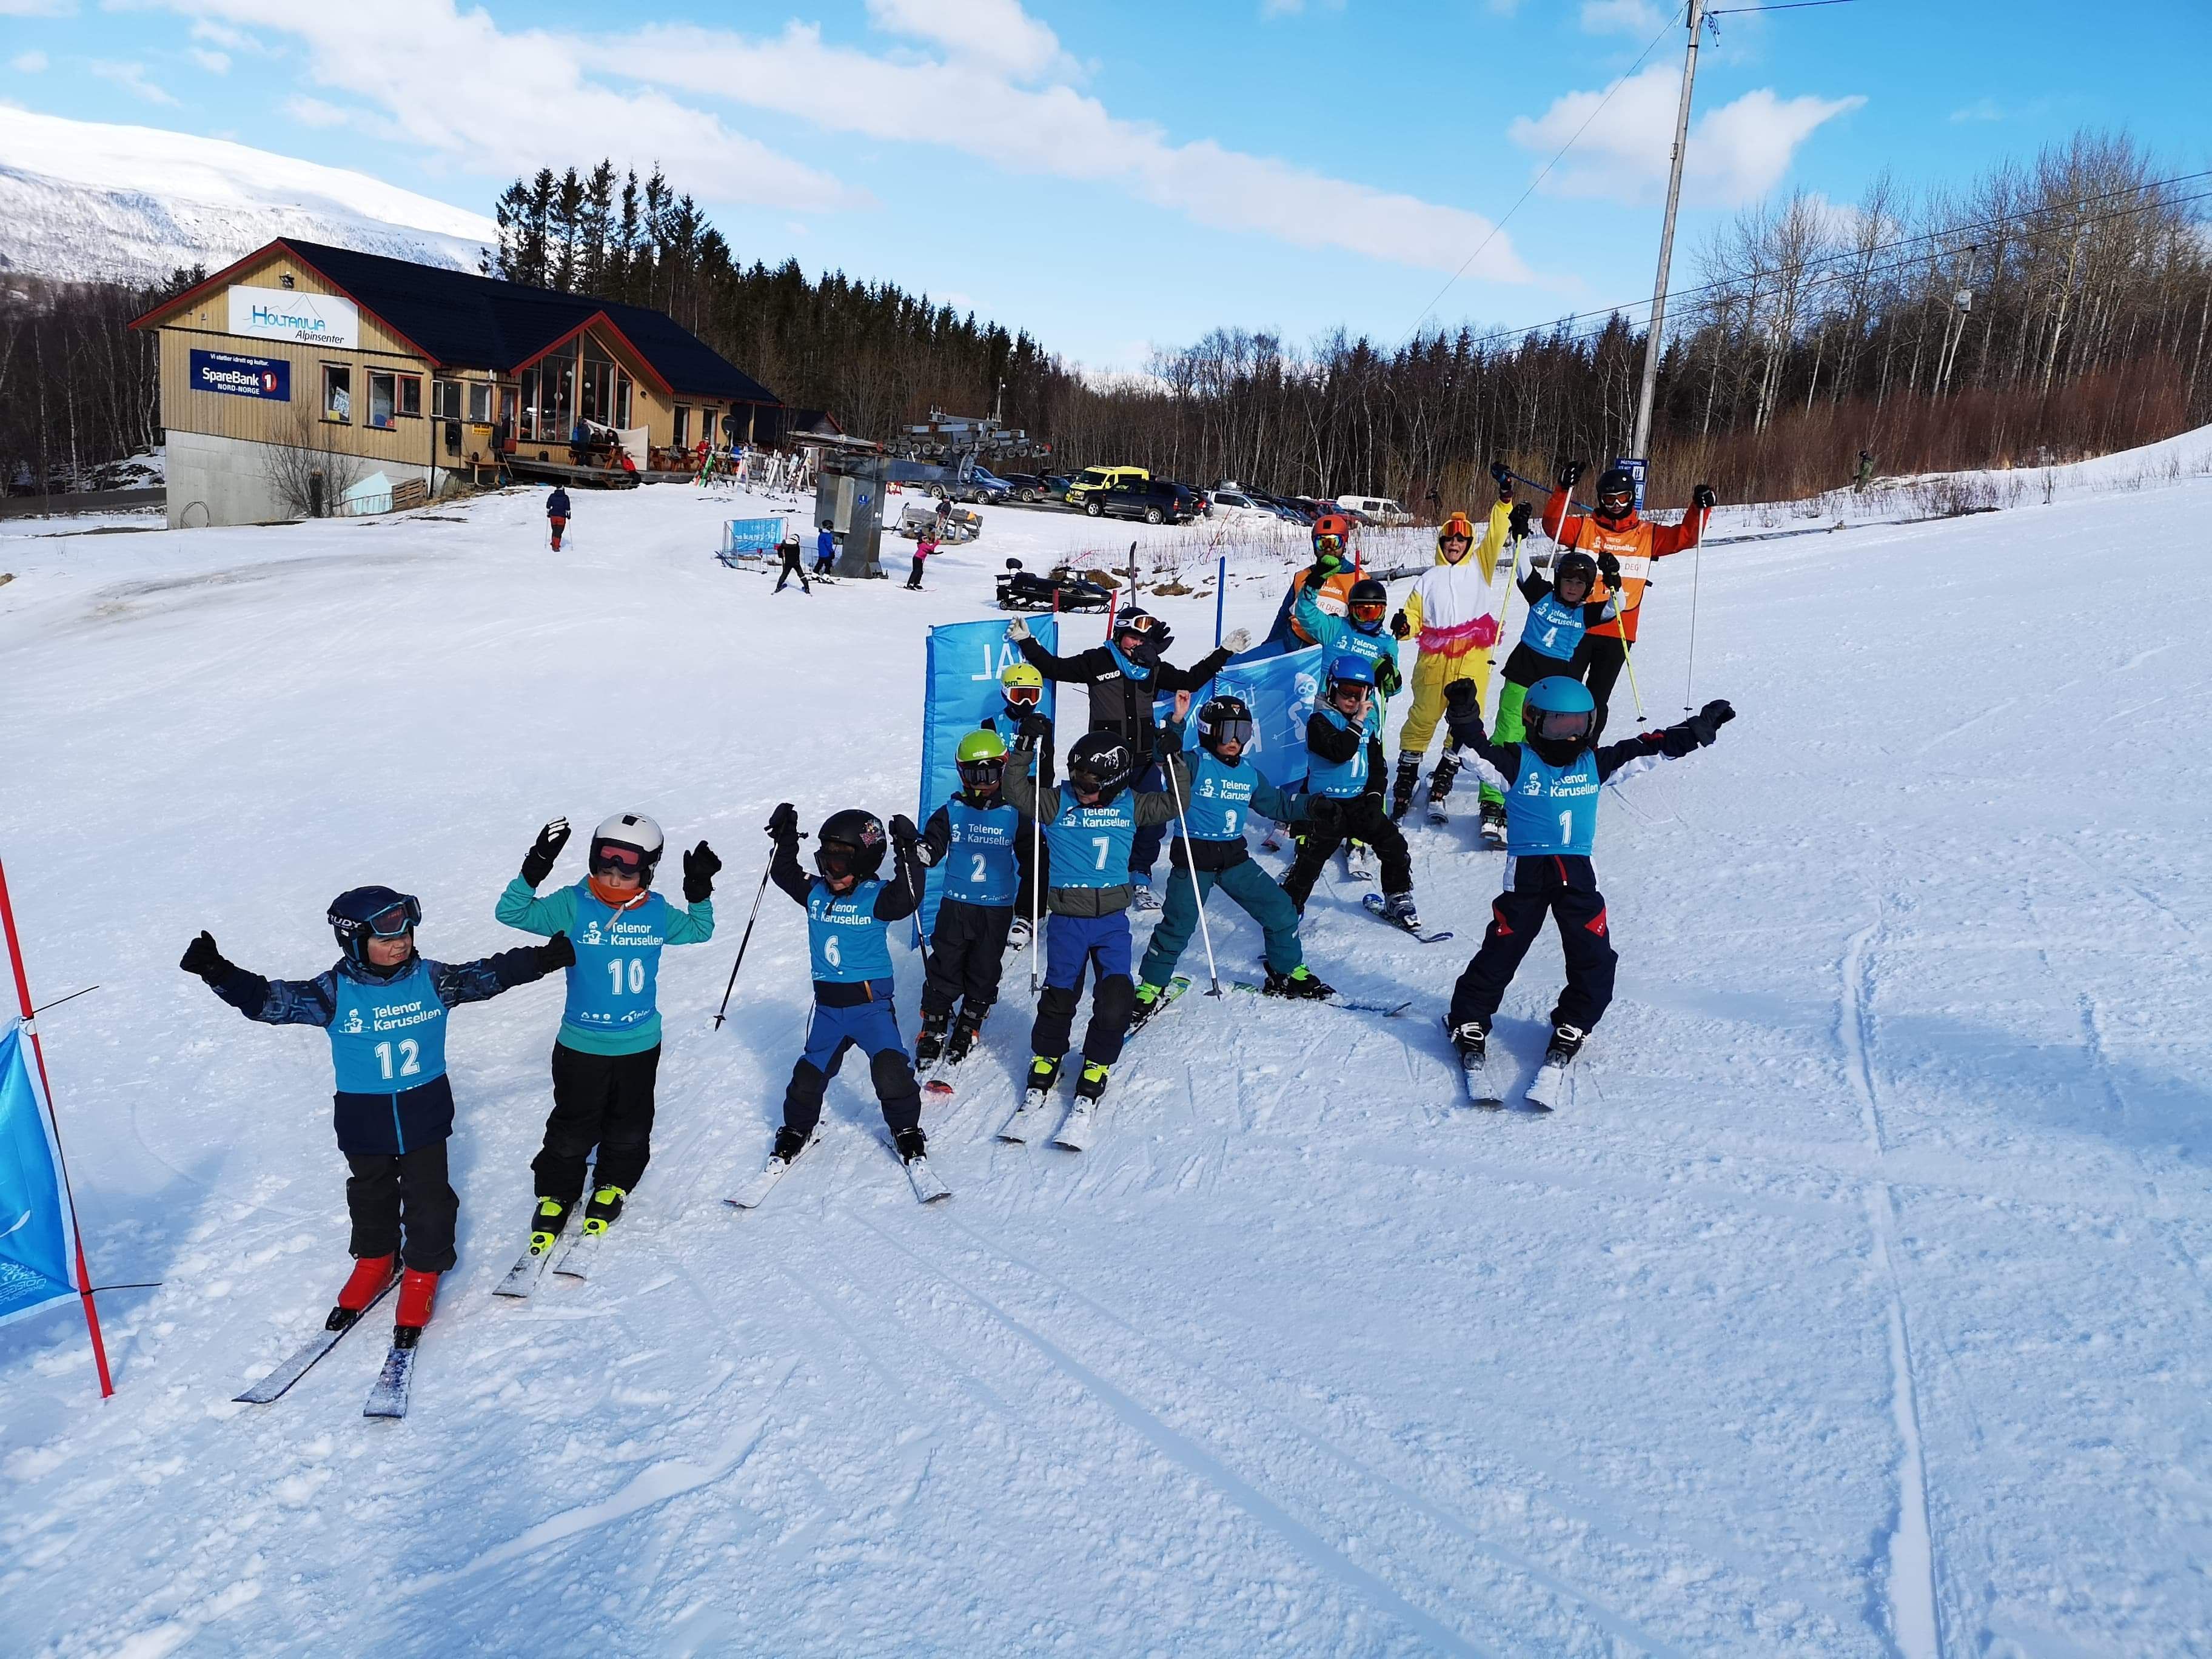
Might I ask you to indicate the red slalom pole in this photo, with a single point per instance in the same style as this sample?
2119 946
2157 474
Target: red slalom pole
38 1053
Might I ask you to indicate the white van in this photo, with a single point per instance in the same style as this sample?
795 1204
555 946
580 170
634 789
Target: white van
1381 508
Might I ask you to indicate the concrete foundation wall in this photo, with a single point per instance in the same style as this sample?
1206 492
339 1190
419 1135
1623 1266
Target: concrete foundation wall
225 481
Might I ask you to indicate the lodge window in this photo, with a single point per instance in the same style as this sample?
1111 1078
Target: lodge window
445 400
480 401
337 392
382 397
410 394
682 427
547 389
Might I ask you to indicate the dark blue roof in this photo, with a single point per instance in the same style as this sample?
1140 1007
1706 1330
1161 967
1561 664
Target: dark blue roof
481 322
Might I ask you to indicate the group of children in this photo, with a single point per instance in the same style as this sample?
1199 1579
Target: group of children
1012 841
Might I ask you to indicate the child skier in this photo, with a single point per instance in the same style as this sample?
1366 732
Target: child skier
825 551
849 910
1550 779
1359 632
606 1055
383 1008
557 515
1225 793
1342 797
1027 729
982 842
1090 821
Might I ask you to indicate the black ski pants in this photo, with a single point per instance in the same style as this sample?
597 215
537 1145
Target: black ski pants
598 1100
1363 819
967 950
391 1195
1602 660
791 568
1566 890
913 577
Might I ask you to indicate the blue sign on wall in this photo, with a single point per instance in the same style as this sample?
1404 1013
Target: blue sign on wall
242 377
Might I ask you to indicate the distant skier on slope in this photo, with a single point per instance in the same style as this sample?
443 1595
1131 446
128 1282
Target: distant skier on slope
1550 779
384 1009
557 515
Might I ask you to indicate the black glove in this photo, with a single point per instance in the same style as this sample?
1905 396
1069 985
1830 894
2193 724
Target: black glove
1706 723
1400 628
700 868
1387 678
1609 568
783 824
202 958
1677 741
1463 711
556 953
1518 522
1035 727
538 862
905 838
1503 475
1703 498
1570 474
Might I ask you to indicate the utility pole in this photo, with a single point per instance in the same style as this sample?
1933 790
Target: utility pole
1642 447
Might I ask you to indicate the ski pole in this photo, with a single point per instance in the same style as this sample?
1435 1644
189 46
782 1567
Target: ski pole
1628 660
1697 570
1190 862
1036 854
757 894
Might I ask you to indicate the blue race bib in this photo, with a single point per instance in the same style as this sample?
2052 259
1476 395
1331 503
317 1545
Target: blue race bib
1553 809
389 1037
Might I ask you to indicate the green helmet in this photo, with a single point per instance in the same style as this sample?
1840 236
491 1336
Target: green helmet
981 761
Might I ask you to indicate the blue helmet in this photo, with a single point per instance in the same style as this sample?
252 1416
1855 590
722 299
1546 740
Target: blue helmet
1350 669
361 913
1558 710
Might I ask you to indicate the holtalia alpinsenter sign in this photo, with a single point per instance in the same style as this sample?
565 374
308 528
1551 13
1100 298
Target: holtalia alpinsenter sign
242 377
276 313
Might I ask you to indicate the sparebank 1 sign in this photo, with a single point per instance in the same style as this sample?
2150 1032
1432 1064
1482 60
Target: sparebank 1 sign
277 313
242 377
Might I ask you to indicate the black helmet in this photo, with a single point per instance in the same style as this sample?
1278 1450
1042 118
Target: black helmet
361 913
1616 493
1224 720
1367 604
1100 764
850 843
1147 633
1570 565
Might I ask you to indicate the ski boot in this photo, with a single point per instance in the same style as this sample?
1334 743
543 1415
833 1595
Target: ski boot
789 1143
1091 1085
546 1223
965 1030
1401 787
1358 861
1299 984
606 1204
1143 898
1440 787
371 1273
1492 828
1043 1078
1150 999
1551 1086
1398 909
419 1294
929 1043
1017 935
1471 1040
909 1144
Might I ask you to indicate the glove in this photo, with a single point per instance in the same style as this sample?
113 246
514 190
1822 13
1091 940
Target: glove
1235 640
1518 524
1463 711
1035 727
1018 630
1570 475
202 958
1609 568
783 824
904 836
700 868
1400 628
1503 475
1704 499
1706 723
556 952
1387 678
1677 741
538 862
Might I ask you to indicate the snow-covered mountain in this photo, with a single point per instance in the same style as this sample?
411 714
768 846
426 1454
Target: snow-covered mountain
86 199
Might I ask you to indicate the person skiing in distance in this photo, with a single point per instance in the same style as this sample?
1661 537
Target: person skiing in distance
1125 676
557 515
850 910
792 566
1451 612
383 1008
1551 778
1225 793
982 842
1089 819
1614 526
1341 800
1360 633
1560 615
606 1055
825 551
1026 727
924 543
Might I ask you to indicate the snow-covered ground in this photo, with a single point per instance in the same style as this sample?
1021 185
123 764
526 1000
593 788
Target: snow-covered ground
1856 1306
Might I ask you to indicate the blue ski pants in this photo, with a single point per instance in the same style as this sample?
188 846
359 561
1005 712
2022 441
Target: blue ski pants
1257 894
870 1027
1072 944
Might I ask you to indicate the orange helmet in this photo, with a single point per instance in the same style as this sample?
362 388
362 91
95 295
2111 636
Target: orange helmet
1332 524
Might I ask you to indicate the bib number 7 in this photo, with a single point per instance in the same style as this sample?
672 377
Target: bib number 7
1104 844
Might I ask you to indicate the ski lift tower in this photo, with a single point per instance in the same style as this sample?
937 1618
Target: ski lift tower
849 501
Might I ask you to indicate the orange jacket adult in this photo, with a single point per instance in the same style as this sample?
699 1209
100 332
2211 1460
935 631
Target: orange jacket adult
1635 541
1334 598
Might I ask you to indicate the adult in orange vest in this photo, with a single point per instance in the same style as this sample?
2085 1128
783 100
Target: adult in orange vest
1614 527
1332 569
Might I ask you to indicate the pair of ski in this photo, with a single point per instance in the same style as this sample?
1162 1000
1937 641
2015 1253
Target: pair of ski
574 1262
1549 1088
388 1398
1080 1126
928 1186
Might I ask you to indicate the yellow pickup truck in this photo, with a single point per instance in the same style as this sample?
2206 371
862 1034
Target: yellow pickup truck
1096 480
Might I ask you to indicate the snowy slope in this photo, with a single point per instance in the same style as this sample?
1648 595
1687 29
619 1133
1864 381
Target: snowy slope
1857 1306
91 200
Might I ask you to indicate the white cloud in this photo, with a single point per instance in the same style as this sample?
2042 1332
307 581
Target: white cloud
132 77
216 63
222 36
1638 18
995 32
28 62
1737 152
315 113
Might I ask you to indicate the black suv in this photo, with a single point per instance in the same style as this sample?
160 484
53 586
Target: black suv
1156 502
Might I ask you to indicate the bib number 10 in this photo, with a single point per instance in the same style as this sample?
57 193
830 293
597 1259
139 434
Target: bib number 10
631 969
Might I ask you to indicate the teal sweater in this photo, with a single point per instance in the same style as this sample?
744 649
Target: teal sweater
520 907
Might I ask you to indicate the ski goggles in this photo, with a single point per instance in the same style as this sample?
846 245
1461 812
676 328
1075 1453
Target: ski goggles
1615 503
834 858
1557 725
1329 547
1348 691
1024 697
612 858
1143 623
982 773
395 920
1370 611
1237 729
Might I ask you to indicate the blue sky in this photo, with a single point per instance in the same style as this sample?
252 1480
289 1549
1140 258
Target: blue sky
1113 178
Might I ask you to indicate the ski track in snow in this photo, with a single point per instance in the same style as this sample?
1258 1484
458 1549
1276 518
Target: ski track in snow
1857 1307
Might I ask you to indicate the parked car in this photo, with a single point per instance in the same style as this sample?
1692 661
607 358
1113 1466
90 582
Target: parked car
980 484
1234 503
1035 488
1063 590
1377 509
1155 501
1093 480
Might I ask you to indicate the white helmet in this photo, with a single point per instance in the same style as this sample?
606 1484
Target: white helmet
626 844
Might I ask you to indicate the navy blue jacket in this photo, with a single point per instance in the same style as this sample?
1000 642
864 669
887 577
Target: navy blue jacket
556 504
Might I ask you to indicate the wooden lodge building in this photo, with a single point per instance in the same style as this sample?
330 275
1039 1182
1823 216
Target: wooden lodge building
417 371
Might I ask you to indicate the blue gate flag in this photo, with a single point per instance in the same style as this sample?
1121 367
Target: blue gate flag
965 660
1279 688
38 1260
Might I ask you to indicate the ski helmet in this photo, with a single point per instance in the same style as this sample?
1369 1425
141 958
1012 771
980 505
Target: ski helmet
1558 710
1224 720
361 913
981 761
1331 530
1573 566
1457 525
628 844
1616 494
1147 636
1367 604
1022 684
1349 670
1099 764
850 843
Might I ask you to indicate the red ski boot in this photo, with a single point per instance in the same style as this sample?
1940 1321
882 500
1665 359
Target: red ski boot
418 1292
371 1277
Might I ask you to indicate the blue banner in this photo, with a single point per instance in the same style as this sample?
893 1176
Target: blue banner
965 659
37 1263
242 377
1281 690
745 536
